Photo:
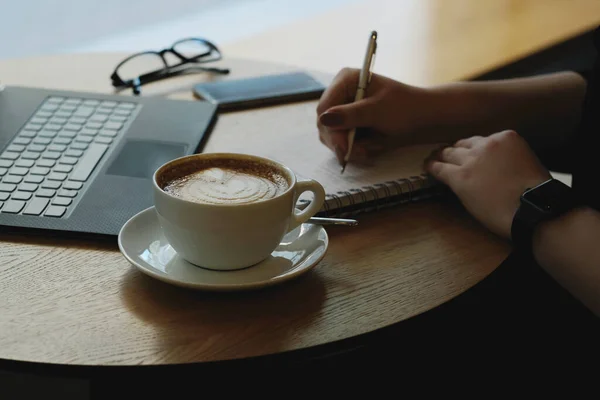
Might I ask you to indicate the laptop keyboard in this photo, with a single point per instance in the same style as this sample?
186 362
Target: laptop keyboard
48 163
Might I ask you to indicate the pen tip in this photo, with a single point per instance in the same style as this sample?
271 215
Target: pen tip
343 169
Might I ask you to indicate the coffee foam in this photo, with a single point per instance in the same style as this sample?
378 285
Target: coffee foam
224 181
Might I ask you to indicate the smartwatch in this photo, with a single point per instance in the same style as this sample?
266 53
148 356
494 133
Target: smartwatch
546 201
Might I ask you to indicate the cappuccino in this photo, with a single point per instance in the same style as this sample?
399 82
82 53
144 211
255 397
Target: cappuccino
224 181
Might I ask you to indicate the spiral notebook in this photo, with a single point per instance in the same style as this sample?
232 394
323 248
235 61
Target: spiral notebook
391 180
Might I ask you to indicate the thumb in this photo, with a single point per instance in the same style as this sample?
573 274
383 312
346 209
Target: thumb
348 116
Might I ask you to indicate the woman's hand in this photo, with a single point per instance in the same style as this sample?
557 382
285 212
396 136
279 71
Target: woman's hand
489 175
391 112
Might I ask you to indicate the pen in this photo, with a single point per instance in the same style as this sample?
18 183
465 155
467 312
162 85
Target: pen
363 81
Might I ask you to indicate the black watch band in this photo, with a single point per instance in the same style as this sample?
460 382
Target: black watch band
544 202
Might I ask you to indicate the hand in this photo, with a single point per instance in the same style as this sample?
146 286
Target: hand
390 110
489 175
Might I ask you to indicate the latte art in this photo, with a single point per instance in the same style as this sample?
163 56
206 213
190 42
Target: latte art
218 185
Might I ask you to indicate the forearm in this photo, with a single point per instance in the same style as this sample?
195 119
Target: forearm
568 249
544 109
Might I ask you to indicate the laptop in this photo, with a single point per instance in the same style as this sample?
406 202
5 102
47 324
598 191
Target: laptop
82 163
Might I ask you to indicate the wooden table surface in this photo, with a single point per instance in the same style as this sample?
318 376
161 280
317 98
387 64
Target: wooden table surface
82 303
424 42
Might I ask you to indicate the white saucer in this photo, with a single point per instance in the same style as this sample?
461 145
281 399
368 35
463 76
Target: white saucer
142 242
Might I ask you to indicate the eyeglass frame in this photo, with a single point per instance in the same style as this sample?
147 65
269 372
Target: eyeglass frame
169 70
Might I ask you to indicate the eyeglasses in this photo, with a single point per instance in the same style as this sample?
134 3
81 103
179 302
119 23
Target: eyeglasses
150 66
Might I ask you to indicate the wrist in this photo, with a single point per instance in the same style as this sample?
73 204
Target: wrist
448 113
550 235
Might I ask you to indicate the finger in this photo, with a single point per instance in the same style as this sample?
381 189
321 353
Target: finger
362 113
442 171
468 142
333 139
454 155
341 90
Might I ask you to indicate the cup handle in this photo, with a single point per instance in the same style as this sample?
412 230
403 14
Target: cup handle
298 218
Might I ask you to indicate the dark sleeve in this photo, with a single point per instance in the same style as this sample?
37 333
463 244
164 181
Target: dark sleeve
563 159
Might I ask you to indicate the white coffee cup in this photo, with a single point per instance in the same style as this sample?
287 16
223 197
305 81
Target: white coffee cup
232 236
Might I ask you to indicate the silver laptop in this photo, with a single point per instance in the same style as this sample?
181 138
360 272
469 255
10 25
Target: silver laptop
82 163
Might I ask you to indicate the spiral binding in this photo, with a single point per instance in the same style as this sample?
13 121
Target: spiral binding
378 196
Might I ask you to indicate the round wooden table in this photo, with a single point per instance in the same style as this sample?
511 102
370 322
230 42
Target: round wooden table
79 303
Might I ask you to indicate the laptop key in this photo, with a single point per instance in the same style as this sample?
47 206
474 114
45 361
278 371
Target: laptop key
45 193
33 127
62 140
67 134
88 132
108 132
55 211
55 100
43 114
113 125
49 107
9 155
6 163
3 171
28 187
67 193
62 114
45 162
73 102
53 155
118 118
17 148
24 163
73 153
103 139
47 134
7 187
72 185
38 120
36 206
21 196
19 171
84 139
4 196
99 118
58 120
57 176
93 125
13 206
73 127
34 179
53 127
22 140
79 146
91 102
42 140
69 160
103 110
78 120
12 179
108 104
38 148
88 162
62 201
57 147
39 171
30 155
28 134
51 185
63 168
83 111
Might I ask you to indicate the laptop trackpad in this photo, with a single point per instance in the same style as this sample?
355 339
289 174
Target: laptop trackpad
140 158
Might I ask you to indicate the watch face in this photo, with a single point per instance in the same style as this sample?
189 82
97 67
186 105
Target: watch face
550 197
